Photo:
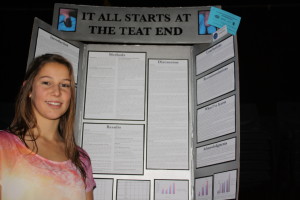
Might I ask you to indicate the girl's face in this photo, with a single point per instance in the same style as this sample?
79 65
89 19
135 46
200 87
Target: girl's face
51 92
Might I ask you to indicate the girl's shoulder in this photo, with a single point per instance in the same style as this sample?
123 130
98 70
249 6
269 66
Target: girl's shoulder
9 141
6 137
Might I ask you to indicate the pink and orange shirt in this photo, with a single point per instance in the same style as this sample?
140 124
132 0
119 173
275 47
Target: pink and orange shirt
25 175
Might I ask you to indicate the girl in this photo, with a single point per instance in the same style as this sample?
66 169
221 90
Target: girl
39 158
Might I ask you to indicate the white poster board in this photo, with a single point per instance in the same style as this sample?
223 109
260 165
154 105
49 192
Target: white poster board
144 114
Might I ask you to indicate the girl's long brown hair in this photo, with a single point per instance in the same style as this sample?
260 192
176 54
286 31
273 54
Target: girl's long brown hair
24 120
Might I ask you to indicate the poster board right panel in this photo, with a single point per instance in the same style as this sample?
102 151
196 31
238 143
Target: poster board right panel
217 117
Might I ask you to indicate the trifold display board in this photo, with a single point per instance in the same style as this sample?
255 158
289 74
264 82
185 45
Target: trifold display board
159 121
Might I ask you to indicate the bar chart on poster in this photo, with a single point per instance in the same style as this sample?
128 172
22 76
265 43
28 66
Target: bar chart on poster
171 189
160 121
225 185
203 188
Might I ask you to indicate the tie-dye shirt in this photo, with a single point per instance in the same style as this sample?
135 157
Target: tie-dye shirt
25 175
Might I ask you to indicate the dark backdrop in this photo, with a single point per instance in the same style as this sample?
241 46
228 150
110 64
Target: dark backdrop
268 44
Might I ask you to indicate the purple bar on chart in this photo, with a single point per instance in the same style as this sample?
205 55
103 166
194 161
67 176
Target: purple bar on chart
174 188
206 188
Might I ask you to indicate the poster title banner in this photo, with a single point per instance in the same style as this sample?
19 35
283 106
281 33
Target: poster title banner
133 24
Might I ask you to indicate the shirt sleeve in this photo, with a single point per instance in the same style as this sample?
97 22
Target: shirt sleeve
1 159
4 143
90 182
6 152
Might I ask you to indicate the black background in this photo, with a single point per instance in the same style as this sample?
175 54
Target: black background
268 48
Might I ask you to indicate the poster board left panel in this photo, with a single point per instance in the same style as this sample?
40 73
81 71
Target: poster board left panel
45 39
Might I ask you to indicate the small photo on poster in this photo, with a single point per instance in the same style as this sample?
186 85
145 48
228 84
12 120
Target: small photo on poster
204 27
67 20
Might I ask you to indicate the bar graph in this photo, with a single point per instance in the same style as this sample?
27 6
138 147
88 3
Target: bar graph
203 188
171 189
225 185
